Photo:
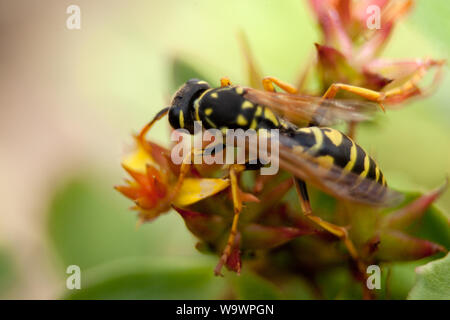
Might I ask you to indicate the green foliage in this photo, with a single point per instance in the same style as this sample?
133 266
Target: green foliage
433 281
7 275
338 284
89 225
398 279
298 289
150 279
434 226
183 71
249 286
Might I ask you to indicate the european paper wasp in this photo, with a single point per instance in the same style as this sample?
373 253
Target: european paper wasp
321 156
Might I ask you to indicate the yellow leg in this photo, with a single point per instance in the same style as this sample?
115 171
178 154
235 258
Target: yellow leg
269 81
411 85
408 87
338 231
363 92
225 82
184 169
237 204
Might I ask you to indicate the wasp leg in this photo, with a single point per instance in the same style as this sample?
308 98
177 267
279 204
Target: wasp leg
269 81
237 204
363 92
338 231
411 87
408 87
184 169
225 82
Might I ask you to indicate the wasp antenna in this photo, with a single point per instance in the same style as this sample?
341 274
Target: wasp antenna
148 126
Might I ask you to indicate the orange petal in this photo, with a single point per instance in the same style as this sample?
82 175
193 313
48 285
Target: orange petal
129 192
156 182
139 177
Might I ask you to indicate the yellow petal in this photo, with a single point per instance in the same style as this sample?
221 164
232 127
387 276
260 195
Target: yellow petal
194 190
138 160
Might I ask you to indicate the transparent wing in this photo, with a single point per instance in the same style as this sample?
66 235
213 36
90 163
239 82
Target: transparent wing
299 109
332 179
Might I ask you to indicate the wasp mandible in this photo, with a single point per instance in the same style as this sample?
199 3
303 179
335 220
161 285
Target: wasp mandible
318 155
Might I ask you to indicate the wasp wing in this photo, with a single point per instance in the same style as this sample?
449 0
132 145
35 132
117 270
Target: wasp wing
302 109
330 178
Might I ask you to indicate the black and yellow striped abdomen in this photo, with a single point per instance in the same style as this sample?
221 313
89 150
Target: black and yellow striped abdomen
331 147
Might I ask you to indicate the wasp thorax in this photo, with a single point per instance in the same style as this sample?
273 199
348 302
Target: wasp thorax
181 113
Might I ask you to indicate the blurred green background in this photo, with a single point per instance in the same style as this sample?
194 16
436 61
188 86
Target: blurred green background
70 100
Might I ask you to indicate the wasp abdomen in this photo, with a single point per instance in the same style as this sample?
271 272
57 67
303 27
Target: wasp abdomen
331 147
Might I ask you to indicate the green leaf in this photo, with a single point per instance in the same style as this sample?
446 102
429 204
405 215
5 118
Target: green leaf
249 286
150 279
182 71
90 223
433 281
398 246
338 284
297 289
432 225
398 279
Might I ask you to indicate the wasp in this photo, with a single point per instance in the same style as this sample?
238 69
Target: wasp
309 150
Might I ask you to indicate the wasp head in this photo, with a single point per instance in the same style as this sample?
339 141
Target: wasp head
181 112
